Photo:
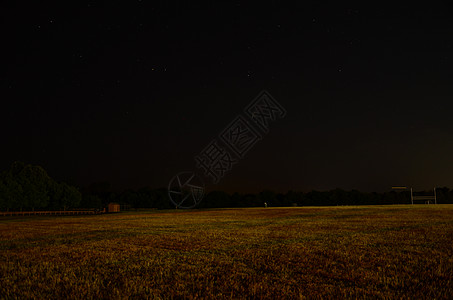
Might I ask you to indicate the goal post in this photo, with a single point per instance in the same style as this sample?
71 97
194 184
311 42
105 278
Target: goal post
426 198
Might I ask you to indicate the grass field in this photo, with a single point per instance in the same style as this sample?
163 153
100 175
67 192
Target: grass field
368 251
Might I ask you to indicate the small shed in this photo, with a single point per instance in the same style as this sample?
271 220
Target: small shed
113 207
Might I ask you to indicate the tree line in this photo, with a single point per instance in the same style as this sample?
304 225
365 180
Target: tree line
158 198
28 187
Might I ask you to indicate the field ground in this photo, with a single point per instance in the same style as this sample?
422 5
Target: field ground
365 251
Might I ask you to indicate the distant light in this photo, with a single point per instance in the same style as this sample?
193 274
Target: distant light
399 187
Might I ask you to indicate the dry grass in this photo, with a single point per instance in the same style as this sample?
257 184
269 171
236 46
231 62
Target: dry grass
330 252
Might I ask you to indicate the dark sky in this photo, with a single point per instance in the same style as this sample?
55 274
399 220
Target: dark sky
130 93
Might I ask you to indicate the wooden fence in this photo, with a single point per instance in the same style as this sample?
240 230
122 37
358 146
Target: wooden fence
50 213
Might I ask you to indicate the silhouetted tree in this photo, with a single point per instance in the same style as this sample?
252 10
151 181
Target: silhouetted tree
251 200
91 201
442 195
35 184
70 196
268 197
294 198
216 199
11 193
235 199
26 186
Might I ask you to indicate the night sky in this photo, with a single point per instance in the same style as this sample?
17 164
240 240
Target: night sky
130 93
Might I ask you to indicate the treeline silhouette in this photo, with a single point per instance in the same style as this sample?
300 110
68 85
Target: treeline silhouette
101 193
28 187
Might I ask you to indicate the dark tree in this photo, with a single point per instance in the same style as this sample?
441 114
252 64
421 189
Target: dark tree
216 199
26 186
35 184
269 198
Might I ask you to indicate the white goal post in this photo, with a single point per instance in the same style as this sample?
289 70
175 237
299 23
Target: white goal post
426 198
